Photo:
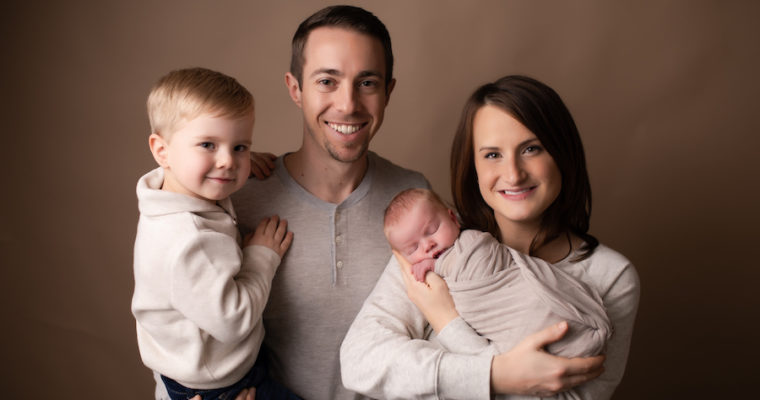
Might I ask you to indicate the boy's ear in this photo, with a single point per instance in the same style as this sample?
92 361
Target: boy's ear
294 89
159 148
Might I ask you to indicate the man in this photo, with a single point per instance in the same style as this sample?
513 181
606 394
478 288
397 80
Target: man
333 193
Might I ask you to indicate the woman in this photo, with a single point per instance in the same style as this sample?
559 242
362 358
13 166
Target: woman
518 172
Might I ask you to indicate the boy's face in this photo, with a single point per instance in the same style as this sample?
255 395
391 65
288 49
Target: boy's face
343 93
424 231
207 157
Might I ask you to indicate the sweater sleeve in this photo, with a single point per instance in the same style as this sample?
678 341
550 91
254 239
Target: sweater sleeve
621 302
385 353
220 288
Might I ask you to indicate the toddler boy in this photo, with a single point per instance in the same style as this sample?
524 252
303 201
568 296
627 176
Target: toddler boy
198 296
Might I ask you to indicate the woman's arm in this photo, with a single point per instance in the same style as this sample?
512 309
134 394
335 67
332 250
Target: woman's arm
621 302
386 353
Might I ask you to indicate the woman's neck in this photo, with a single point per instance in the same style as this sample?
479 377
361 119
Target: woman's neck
520 236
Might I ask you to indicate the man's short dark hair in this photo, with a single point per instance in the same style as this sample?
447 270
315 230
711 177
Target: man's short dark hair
349 17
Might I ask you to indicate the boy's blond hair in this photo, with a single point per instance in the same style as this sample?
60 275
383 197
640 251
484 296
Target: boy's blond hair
404 201
184 94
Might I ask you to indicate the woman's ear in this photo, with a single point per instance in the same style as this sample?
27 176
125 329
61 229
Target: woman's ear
159 148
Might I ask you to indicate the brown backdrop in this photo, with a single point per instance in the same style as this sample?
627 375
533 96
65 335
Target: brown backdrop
665 95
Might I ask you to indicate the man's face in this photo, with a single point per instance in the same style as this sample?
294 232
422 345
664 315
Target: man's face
343 93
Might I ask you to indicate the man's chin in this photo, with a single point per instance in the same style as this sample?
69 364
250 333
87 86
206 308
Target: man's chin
348 155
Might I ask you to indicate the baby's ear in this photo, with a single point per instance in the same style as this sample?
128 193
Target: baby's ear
159 148
454 217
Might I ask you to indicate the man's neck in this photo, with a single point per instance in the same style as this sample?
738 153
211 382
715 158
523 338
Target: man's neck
328 179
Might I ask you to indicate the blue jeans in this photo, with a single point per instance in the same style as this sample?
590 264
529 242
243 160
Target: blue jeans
266 387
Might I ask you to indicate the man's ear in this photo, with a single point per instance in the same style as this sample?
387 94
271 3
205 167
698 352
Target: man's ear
389 89
294 89
454 217
159 148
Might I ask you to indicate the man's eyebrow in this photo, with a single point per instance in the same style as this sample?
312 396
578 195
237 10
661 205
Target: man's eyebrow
370 73
335 72
328 71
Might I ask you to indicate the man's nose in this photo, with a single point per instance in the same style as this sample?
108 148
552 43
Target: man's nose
347 99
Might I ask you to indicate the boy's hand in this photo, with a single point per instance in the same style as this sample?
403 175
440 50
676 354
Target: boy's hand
273 233
262 164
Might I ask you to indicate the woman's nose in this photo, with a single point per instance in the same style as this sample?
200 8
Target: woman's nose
514 173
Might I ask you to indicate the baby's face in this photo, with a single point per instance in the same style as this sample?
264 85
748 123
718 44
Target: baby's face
424 231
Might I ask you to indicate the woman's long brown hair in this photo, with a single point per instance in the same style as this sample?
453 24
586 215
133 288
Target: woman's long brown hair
540 109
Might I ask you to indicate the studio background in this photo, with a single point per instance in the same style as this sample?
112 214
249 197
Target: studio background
665 94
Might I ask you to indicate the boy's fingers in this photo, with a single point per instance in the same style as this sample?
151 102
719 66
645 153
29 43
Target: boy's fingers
282 229
272 225
285 244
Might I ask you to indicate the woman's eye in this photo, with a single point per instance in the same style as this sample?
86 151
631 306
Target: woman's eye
491 155
532 149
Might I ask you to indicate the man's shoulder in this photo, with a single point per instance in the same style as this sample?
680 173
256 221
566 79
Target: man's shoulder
386 172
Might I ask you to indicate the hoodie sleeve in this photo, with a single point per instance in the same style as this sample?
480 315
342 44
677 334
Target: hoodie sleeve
220 287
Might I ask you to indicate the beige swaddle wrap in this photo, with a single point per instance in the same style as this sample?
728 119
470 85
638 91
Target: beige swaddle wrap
505 296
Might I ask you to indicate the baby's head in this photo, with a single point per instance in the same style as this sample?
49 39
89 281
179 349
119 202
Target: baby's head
419 225
201 126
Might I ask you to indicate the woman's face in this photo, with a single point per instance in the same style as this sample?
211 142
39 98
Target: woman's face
517 177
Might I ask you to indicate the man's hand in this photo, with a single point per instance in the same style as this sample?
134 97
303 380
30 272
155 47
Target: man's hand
529 370
245 394
273 233
262 164
432 296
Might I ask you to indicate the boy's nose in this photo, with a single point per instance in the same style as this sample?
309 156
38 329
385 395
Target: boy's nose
224 160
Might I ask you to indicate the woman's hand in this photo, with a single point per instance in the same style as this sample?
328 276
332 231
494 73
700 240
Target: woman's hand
528 369
262 164
432 297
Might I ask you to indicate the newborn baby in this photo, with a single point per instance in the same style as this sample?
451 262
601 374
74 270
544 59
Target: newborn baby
503 294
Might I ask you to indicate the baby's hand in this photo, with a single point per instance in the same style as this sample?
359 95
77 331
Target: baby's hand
273 233
262 164
420 269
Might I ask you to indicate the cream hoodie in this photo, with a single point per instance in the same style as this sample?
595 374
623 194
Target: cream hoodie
198 297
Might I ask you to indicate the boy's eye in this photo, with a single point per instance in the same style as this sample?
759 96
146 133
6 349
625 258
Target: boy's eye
241 147
207 145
